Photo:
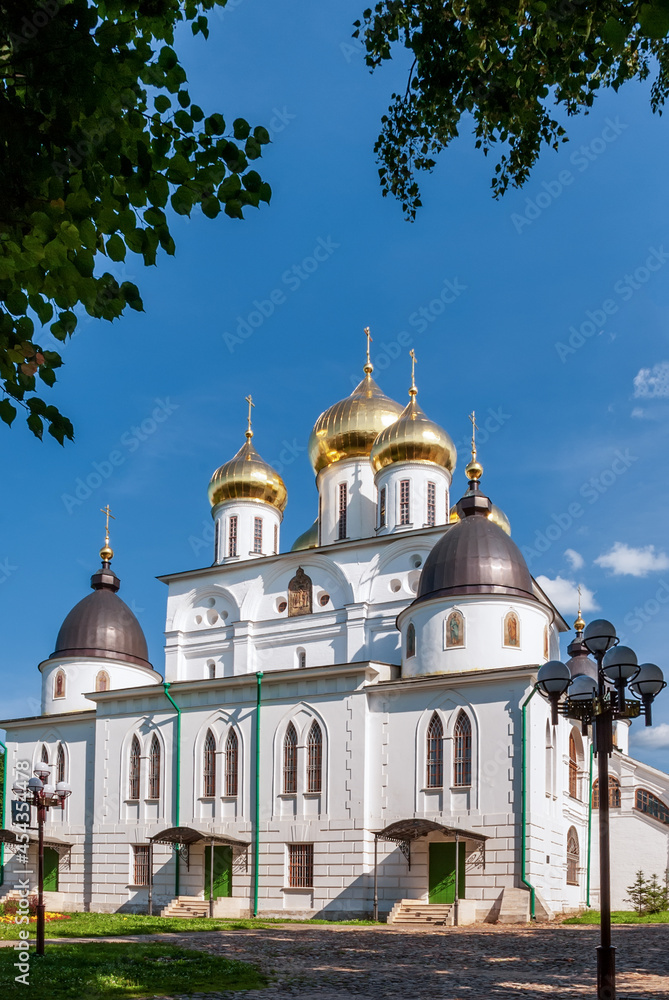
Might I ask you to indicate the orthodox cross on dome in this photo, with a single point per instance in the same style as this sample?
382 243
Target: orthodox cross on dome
249 400
475 427
369 367
579 624
414 361
106 552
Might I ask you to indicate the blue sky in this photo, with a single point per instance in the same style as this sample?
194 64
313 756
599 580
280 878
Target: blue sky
555 332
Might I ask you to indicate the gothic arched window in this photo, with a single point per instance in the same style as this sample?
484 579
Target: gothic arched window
614 793
134 769
290 761
300 594
154 768
648 803
209 765
434 753
573 856
411 640
60 763
45 754
462 751
231 763
102 681
59 684
314 758
573 767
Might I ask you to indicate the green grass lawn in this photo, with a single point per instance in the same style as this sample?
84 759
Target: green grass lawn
621 917
111 924
100 971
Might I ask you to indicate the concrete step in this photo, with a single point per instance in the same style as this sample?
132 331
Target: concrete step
186 906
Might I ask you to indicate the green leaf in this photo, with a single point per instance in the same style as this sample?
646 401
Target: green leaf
115 247
654 20
7 411
16 302
162 103
261 135
35 424
614 34
211 207
47 375
240 128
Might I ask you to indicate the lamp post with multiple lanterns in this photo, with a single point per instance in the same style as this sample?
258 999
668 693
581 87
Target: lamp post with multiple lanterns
598 703
39 792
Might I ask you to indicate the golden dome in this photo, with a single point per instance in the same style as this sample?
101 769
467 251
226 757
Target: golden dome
247 477
308 539
349 428
413 438
496 515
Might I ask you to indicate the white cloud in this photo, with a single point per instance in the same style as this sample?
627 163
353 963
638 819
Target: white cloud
576 560
638 413
564 594
652 382
653 736
623 560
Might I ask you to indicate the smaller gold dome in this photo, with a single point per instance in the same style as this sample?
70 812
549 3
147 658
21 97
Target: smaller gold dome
474 470
496 515
413 438
106 553
349 428
248 477
308 539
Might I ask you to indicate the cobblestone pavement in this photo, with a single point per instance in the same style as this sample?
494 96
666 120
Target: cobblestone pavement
481 963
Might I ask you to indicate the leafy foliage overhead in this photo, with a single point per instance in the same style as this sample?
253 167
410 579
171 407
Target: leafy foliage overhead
509 68
99 137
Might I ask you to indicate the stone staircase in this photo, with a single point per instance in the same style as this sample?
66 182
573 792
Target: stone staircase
186 906
411 913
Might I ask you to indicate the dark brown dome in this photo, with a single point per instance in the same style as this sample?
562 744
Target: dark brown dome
103 626
475 556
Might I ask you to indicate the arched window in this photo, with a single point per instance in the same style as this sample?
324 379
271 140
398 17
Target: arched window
290 761
572 857
45 754
60 764
405 501
102 681
211 669
431 512
411 640
462 751
134 770
573 767
455 630
59 685
648 803
549 759
511 629
435 753
231 763
314 758
342 511
209 766
614 793
154 768
301 658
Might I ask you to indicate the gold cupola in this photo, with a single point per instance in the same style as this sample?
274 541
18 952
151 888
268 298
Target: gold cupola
413 437
247 476
349 428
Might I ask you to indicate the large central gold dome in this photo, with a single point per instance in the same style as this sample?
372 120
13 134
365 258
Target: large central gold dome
247 476
349 428
413 438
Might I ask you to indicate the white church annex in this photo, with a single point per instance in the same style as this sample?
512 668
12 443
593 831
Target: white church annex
340 727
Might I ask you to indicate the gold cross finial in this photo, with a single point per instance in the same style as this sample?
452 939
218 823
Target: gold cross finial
475 427
106 553
369 367
414 360
579 624
249 400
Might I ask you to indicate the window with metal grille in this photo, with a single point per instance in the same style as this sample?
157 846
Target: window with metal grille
154 768
648 803
209 765
302 658
257 534
300 866
435 753
383 494
60 764
276 539
431 504
232 536
231 763
411 640
572 857
134 770
343 504
462 751
405 504
314 758
290 761
140 874
573 767
614 793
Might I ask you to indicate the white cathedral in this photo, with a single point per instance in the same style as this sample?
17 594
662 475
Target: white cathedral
343 729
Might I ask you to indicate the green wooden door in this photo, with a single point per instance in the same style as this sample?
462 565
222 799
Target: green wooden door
442 873
50 870
222 871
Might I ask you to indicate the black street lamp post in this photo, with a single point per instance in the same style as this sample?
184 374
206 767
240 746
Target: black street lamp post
42 794
598 703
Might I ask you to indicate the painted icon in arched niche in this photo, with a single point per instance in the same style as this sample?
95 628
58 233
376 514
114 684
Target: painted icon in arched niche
511 629
300 594
455 629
